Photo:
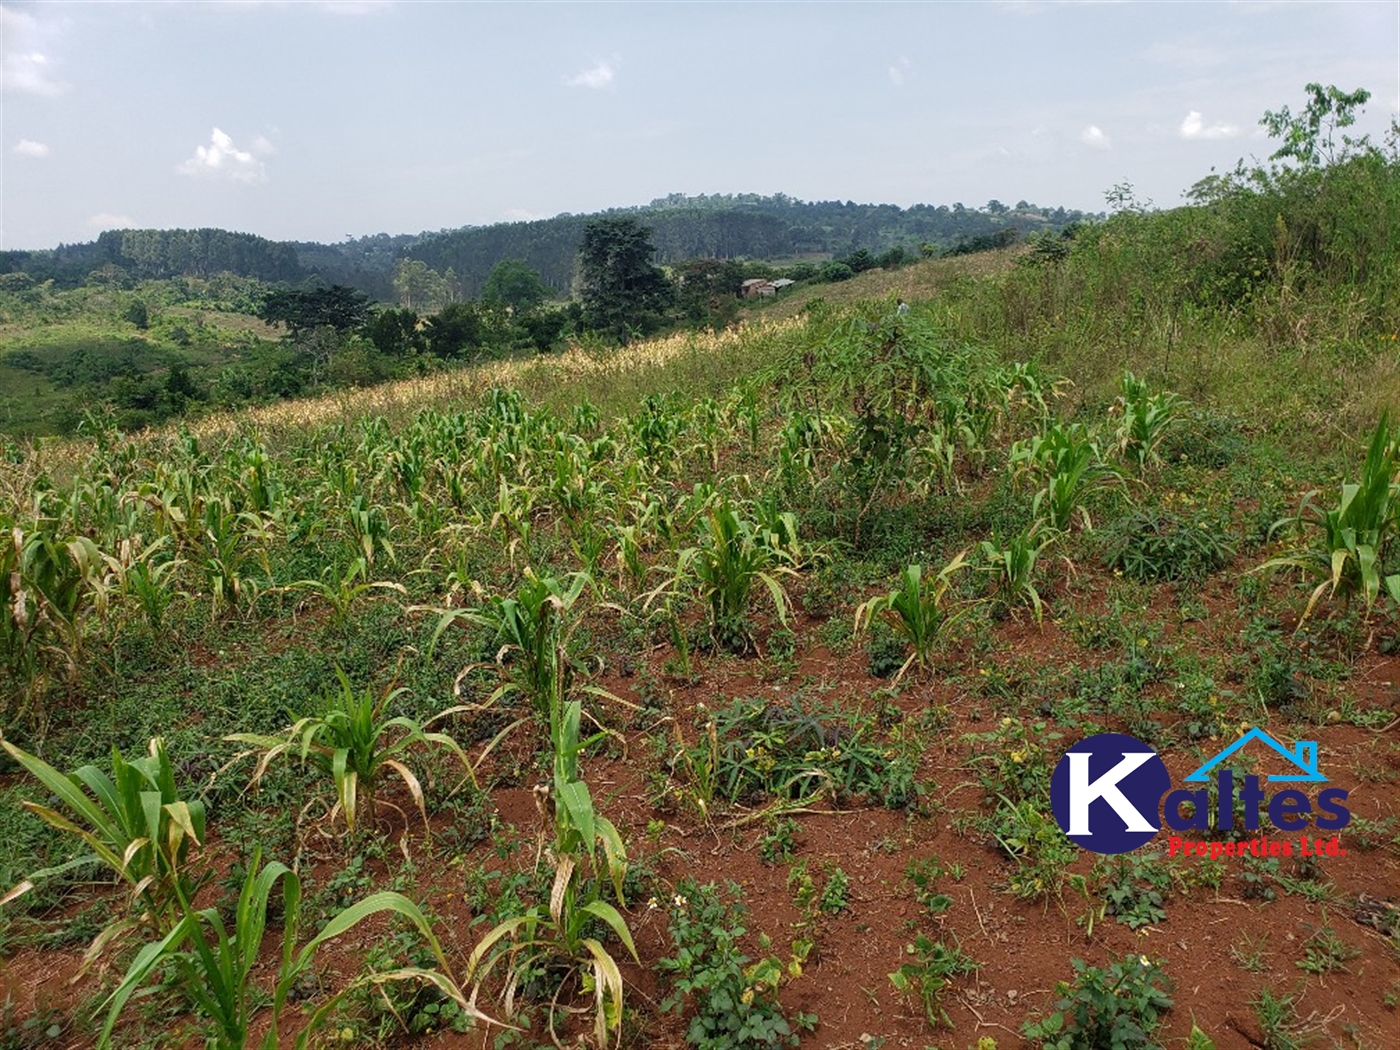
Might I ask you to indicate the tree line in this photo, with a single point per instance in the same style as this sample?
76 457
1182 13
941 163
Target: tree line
682 228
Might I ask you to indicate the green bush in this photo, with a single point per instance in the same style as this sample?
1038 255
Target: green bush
1154 545
735 998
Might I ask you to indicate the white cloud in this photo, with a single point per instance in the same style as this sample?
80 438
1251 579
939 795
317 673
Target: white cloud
1095 137
107 221
26 67
598 77
1195 127
30 148
222 159
900 72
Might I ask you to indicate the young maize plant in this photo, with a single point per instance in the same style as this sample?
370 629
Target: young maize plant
731 557
1065 459
342 588
1347 547
48 587
134 822
1146 419
556 936
354 745
214 964
1011 564
916 611
532 628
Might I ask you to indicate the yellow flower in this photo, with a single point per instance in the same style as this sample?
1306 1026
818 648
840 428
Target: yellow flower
1006 721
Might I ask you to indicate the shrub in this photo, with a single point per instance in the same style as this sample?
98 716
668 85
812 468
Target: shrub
735 998
1153 545
1118 1007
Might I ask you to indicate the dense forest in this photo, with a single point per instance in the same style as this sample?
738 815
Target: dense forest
719 226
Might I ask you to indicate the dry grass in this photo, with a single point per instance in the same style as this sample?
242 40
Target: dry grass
917 281
696 363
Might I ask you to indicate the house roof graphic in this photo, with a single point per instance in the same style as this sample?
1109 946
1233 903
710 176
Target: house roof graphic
1303 756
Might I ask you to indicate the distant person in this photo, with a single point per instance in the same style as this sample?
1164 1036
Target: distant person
901 308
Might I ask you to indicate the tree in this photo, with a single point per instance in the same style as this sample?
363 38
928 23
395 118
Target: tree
395 332
512 283
421 288
301 310
622 290
707 291
1308 138
456 331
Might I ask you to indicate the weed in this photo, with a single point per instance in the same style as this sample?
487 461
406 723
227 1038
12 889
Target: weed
1119 1007
735 998
923 876
1324 952
1135 893
836 892
1278 1020
792 750
778 843
1152 544
934 966
1041 851
1248 953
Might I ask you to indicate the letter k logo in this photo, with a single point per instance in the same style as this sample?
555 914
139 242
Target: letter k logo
1083 792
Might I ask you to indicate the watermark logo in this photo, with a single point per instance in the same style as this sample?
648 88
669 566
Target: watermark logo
1111 793
1106 790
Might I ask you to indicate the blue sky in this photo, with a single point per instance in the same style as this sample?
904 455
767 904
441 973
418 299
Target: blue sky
322 120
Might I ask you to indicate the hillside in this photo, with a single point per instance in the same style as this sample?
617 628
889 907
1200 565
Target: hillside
718 227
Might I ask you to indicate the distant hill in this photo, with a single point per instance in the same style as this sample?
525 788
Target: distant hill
721 226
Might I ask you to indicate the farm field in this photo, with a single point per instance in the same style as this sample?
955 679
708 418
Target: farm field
707 691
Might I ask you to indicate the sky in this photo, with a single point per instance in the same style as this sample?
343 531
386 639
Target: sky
324 120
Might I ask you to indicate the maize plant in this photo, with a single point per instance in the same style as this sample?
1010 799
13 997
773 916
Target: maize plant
557 936
1067 461
531 629
916 611
214 964
355 745
1347 547
224 553
133 821
139 576
731 557
342 588
1011 565
369 529
47 588
655 429
1146 419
